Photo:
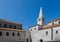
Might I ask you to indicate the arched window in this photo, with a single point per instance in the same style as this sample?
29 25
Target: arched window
5 25
56 31
31 29
0 33
18 34
13 34
7 33
46 32
39 19
34 28
14 27
0 24
52 23
10 26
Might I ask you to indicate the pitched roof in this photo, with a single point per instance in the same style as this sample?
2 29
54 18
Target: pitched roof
52 26
1 20
35 25
49 27
55 20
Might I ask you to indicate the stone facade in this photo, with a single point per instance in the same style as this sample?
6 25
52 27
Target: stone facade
8 24
27 36
51 34
43 33
10 37
11 32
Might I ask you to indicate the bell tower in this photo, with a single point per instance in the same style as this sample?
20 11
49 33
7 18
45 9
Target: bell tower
40 20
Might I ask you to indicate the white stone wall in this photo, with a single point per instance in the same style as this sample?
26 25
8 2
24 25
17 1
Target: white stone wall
56 36
40 34
36 35
11 38
39 22
55 22
49 24
27 36
44 36
35 28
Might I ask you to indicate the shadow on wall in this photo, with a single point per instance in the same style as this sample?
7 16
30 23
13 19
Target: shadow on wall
57 38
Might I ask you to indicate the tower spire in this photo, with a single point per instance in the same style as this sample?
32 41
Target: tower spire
40 13
40 20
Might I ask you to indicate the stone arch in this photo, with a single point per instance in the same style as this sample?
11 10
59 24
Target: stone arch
40 40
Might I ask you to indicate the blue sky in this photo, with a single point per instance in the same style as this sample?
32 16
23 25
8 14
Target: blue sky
27 11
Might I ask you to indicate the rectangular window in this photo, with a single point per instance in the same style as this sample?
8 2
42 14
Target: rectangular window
0 24
5 25
7 33
18 34
13 34
52 23
56 31
0 33
14 27
10 26
46 32
34 28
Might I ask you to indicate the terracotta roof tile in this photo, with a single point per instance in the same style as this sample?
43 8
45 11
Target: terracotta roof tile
52 26
49 27
9 29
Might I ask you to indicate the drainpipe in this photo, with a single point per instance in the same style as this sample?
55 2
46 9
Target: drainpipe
52 34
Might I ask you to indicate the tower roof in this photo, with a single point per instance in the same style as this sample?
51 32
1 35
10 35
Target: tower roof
40 13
